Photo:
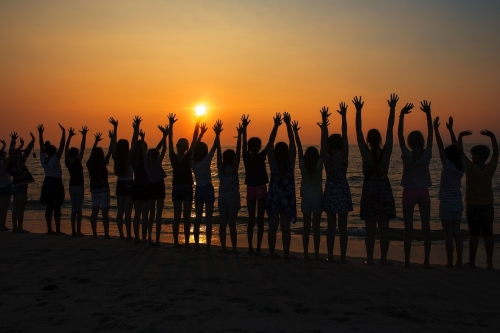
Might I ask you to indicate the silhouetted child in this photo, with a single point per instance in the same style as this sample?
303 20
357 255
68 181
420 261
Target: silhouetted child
73 160
377 202
52 195
5 188
479 195
281 201
416 180
337 197
256 179
204 194
450 195
153 161
229 191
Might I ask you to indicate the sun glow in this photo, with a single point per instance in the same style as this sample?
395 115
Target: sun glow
200 110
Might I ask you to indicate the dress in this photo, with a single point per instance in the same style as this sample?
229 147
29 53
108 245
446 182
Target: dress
281 197
229 193
377 201
337 195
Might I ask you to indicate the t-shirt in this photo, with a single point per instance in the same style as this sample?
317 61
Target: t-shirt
311 185
416 173
99 179
75 169
181 170
154 172
255 169
478 181
53 166
201 170
451 179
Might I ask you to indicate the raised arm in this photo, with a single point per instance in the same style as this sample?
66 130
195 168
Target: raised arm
112 136
296 128
62 142
112 144
389 136
272 137
136 126
13 138
449 126
439 141
98 137
244 123
40 138
494 142
21 143
142 136
196 130
217 129
425 106
460 143
291 145
171 121
343 112
162 146
3 145
324 130
236 163
84 131
219 158
71 133
30 146
363 147
404 111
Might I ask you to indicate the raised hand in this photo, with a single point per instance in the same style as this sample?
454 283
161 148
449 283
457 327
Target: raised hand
142 134
465 133
277 119
98 136
436 123
487 133
171 118
217 127
3 142
13 136
21 140
164 130
113 122
287 118
325 123
245 121
203 128
425 106
40 128
61 127
240 129
393 101
84 130
343 109
295 126
324 113
136 123
407 108
449 124
358 103
71 132
111 134
32 137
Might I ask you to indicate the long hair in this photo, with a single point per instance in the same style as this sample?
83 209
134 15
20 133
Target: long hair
454 156
228 158
96 157
73 152
311 157
121 158
281 156
200 151
415 139
137 158
254 144
374 139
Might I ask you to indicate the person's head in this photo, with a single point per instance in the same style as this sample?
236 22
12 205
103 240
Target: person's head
121 158
254 145
480 154
50 150
373 138
281 156
97 154
95 159
228 156
152 155
311 157
335 142
73 153
453 154
415 140
137 158
182 145
200 151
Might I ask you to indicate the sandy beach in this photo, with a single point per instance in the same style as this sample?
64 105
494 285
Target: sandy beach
67 284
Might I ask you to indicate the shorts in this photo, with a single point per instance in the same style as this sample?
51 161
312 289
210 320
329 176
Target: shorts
182 192
76 195
413 196
450 210
256 192
156 190
204 194
6 190
100 199
123 187
311 205
140 192
480 220
20 190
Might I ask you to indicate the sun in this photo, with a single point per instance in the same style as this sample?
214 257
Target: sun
200 110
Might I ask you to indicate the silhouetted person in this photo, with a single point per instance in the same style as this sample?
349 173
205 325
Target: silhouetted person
5 187
377 202
73 160
229 203
450 195
52 195
281 201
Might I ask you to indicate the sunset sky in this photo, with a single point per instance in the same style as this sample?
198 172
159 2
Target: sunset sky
80 62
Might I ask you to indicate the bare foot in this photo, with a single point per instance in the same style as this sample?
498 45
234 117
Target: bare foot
405 265
369 262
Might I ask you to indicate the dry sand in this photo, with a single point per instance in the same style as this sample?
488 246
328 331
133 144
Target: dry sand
67 284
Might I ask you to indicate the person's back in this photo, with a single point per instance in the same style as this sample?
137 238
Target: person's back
416 173
479 190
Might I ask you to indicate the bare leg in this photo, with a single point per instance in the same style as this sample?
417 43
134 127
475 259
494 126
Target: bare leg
271 233
232 230
305 233
383 228
15 212
176 221
370 227
152 215
285 234
4 207
144 219
209 210
223 217
251 204
317 236
73 224
261 209
489 244
187 221
408 220
425 217
57 219
105 222
127 207
343 237
79 223
93 220
448 238
137 219
473 244
160 203
459 243
120 203
330 234
197 223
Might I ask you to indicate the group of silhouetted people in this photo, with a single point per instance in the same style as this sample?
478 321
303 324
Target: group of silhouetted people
140 185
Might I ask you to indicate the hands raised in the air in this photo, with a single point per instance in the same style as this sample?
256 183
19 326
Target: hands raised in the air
40 128
165 130
71 132
217 127
142 134
203 128
287 118
324 113
277 119
13 136
21 140
425 106
487 133
32 137
241 128
343 109
393 101
358 103
465 133
407 108
3 142
324 123
245 121
136 123
436 123
449 124
84 130
61 127
171 118
111 134
98 136
113 121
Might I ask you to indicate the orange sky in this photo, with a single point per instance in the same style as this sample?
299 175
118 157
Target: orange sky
81 62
